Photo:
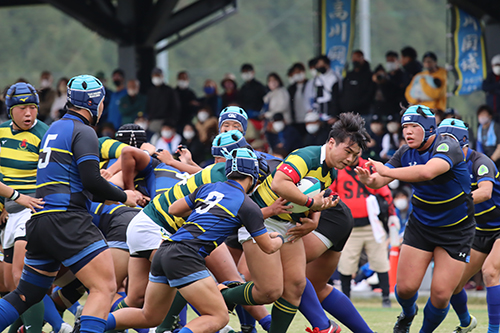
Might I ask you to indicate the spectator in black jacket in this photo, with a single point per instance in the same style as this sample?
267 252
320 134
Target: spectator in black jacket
411 65
282 136
163 103
395 73
187 98
251 93
317 130
386 100
298 103
491 86
191 140
356 93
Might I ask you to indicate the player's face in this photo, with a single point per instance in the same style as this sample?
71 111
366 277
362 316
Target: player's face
24 116
413 134
341 155
230 125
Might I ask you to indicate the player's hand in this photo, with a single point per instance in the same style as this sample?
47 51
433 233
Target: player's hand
149 148
302 228
131 198
364 176
30 202
280 207
184 155
142 200
165 157
322 203
4 216
277 239
106 174
379 167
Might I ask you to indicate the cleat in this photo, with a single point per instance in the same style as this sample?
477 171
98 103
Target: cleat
248 329
65 328
472 325
403 323
334 328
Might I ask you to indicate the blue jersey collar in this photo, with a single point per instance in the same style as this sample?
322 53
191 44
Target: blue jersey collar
76 116
236 184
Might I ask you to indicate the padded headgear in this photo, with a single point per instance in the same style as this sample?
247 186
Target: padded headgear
422 116
243 161
131 134
21 93
263 166
234 113
456 128
229 141
86 92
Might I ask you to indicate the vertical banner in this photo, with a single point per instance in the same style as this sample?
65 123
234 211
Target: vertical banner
469 56
337 31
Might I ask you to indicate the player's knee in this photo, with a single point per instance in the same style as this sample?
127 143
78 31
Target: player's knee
220 320
440 297
106 287
31 289
405 291
296 286
490 275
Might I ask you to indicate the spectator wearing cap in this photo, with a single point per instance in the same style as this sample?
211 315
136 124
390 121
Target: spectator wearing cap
488 134
168 139
187 98
386 99
411 66
133 102
277 100
113 112
163 102
252 92
230 95
279 135
491 86
377 132
317 130
391 139
429 86
298 103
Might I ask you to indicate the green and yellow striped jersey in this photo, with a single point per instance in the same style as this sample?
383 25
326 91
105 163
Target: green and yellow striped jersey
110 148
19 155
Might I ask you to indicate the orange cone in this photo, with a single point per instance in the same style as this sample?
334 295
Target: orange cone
393 271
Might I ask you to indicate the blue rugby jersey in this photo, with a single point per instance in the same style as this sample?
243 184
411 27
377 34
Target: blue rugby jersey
444 200
219 209
482 168
98 210
67 143
158 177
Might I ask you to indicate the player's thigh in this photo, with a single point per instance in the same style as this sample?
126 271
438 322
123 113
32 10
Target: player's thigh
266 269
98 273
476 262
138 273
445 278
491 266
412 266
321 269
313 246
120 263
293 259
221 264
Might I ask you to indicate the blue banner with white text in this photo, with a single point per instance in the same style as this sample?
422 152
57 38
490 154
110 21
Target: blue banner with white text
337 31
469 56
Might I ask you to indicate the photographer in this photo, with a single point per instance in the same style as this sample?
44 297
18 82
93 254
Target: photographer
386 99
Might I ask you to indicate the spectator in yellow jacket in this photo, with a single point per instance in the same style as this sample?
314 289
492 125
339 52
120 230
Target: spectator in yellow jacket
429 86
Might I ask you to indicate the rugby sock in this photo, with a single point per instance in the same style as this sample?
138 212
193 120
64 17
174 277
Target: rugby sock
433 317
119 304
384 283
246 320
33 318
345 281
15 325
265 323
177 305
110 323
282 315
74 308
239 295
459 303
91 324
408 305
185 330
51 314
8 314
311 308
493 301
183 316
341 307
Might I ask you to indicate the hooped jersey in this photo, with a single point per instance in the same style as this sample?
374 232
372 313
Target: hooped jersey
19 155
98 210
481 169
218 210
308 161
445 200
157 178
110 148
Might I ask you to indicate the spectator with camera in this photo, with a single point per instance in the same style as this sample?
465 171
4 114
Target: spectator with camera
386 99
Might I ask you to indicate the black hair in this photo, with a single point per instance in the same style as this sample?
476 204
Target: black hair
312 62
246 68
409 52
168 123
300 66
290 70
182 72
486 108
391 54
350 127
235 175
358 52
119 71
379 68
324 58
275 76
63 79
431 55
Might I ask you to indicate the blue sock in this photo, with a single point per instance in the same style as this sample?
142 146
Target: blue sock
122 293
244 317
265 323
185 330
8 314
493 301
183 316
433 317
311 308
141 330
110 323
408 305
459 303
340 306
51 315
91 324
74 307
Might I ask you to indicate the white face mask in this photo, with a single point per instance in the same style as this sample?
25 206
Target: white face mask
157 80
401 204
393 127
132 92
183 84
167 134
391 66
483 120
313 72
496 70
247 76
188 135
143 124
45 83
291 79
278 126
312 128
299 77
203 116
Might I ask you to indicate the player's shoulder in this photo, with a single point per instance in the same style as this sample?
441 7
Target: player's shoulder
39 129
6 124
446 144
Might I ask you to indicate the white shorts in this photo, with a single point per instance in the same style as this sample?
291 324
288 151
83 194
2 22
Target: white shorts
143 234
272 225
15 227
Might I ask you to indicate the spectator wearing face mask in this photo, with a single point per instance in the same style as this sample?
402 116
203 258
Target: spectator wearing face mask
113 115
402 202
102 77
395 74
143 122
207 126
277 100
211 98
279 135
230 95
47 96
429 86
252 92
323 85
168 139
386 100
298 105
133 102
411 66
377 132
488 134
317 130
163 102
390 140
187 98
491 86
58 107
192 142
